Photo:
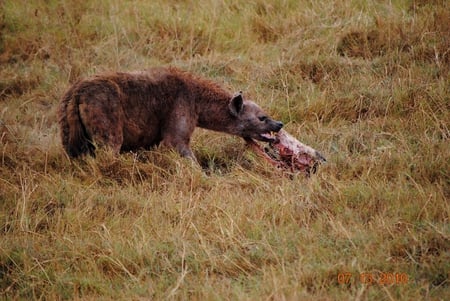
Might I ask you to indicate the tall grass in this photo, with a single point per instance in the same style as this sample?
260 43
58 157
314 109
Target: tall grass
366 83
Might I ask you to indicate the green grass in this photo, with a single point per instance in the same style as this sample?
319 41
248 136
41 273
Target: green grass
366 83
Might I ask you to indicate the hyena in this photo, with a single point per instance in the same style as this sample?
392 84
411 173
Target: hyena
130 111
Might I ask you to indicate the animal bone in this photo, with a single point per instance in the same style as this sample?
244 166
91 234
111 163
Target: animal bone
289 154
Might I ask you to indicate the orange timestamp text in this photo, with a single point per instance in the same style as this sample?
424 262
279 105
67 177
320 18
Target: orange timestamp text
373 278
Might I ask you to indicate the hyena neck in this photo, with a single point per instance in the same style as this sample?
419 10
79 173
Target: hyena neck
212 109
209 100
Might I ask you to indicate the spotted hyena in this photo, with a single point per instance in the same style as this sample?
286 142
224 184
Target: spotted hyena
130 111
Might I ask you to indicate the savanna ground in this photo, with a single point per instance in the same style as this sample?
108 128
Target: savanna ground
365 82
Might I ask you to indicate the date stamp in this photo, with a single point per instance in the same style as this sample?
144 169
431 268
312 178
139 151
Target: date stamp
373 278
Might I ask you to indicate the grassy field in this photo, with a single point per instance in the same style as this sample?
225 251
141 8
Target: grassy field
367 83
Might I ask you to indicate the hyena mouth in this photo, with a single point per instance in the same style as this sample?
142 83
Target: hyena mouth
268 137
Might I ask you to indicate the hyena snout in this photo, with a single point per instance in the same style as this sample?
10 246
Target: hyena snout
277 126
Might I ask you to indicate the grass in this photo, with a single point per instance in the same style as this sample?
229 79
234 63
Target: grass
366 83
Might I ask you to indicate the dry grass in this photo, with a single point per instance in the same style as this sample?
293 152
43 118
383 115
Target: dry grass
366 83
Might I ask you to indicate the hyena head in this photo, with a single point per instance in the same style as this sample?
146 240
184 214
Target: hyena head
250 121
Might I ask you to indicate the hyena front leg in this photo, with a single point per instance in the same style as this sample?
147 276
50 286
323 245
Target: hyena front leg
177 134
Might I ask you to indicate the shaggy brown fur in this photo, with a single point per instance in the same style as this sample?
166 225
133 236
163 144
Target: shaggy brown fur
128 111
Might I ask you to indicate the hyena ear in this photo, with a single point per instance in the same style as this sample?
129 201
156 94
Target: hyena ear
236 104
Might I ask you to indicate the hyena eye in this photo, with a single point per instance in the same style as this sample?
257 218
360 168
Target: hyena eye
262 118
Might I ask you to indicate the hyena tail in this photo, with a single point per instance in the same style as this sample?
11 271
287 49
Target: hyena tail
75 139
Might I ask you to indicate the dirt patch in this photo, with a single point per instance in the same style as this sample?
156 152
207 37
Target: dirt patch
427 41
17 86
361 44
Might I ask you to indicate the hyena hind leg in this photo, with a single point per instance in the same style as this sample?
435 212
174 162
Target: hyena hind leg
105 130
